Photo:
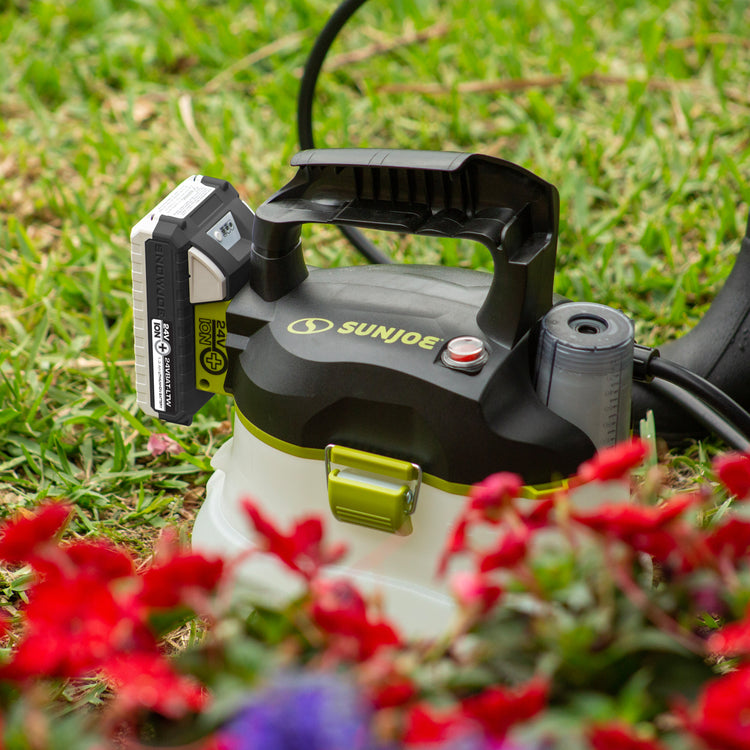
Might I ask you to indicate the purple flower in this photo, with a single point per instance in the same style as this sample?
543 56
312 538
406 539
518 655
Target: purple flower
303 711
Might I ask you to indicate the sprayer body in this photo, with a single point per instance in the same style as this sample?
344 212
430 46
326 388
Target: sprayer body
374 395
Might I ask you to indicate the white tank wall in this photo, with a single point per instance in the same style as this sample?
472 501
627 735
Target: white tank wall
285 488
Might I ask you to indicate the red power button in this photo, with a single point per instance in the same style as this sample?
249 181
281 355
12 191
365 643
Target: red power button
465 353
465 349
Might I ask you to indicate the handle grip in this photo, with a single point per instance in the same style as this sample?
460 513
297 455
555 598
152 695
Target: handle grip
441 194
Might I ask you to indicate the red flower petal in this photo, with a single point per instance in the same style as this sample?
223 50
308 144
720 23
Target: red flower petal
72 625
615 462
618 736
720 717
340 610
160 443
23 536
148 681
426 726
494 493
497 709
509 551
731 539
733 470
301 550
168 584
731 640
455 545
475 591
395 691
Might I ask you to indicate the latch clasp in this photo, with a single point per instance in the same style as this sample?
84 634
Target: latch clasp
372 490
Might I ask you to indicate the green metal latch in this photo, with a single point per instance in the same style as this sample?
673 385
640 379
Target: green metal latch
372 490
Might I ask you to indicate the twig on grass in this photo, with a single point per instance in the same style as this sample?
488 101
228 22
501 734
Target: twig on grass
521 84
185 105
378 48
284 42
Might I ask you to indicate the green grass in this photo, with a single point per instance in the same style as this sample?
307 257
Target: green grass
636 110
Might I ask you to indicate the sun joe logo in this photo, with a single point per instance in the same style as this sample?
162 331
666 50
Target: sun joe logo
309 325
386 334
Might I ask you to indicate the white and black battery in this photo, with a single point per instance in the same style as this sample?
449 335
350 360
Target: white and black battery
584 368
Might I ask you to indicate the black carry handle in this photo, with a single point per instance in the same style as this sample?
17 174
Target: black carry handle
441 194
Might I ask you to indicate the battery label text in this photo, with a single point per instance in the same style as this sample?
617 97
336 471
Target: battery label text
161 348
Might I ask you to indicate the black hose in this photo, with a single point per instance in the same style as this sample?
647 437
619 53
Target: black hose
718 349
706 391
305 101
703 414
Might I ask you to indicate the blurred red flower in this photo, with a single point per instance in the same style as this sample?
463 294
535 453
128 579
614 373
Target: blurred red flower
497 709
302 549
148 681
455 544
721 714
475 592
168 584
160 443
71 626
98 559
731 640
395 690
510 550
339 610
427 726
493 494
651 529
615 462
618 736
731 540
733 470
26 533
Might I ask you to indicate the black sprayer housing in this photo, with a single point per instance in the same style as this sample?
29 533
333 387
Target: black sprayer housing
356 356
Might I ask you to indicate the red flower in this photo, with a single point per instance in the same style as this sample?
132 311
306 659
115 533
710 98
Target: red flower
160 443
615 462
5 629
302 550
340 610
731 640
169 584
23 536
455 545
650 529
475 592
617 736
510 550
733 469
148 681
490 496
497 709
538 516
98 559
731 540
425 726
720 717
72 626
396 690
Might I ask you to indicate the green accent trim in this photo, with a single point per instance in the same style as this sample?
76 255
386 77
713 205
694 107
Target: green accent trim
315 454
539 491
318 454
